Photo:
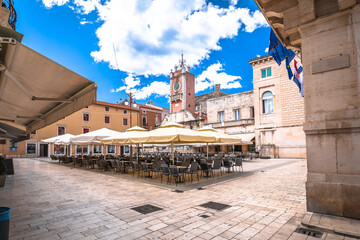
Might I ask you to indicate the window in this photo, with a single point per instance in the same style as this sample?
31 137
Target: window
86 129
111 148
13 146
144 111
126 149
61 130
252 113
267 102
59 149
107 119
196 107
33 132
144 121
125 121
86 117
266 72
107 109
221 116
78 149
125 111
97 149
237 114
86 107
31 148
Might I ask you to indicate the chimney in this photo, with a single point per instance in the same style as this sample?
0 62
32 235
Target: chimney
217 90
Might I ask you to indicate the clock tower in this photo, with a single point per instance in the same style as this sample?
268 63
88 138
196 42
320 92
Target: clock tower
182 88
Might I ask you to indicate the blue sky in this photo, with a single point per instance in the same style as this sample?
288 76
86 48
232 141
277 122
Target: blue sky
132 45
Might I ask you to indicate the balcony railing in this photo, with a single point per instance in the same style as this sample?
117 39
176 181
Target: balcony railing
176 97
12 17
233 123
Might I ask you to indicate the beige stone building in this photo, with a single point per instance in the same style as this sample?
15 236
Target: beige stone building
279 111
96 116
328 35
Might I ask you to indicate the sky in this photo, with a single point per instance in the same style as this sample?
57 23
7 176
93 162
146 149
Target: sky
132 45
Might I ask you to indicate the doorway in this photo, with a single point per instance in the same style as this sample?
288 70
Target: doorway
44 150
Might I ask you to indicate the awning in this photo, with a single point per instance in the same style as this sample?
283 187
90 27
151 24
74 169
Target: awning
246 138
36 91
11 132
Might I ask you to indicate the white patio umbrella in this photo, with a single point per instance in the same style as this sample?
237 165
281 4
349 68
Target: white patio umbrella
93 137
58 138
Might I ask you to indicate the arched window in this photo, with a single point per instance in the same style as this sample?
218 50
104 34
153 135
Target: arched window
267 102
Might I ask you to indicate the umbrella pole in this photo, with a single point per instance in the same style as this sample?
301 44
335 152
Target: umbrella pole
172 153
137 152
142 150
207 151
104 152
82 152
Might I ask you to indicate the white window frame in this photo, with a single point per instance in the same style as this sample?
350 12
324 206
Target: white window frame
108 152
237 114
76 146
144 111
266 103
265 72
101 148
108 109
83 116
221 113
59 154
28 143
58 129
142 120
128 148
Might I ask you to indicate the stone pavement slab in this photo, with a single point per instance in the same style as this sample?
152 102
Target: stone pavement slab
50 201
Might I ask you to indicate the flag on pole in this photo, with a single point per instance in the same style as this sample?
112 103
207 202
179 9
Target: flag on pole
298 77
279 52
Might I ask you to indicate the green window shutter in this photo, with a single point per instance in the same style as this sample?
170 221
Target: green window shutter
268 72
263 73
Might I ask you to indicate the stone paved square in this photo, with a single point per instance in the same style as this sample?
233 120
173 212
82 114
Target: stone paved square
52 201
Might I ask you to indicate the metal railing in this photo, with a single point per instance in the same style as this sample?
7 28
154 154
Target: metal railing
9 4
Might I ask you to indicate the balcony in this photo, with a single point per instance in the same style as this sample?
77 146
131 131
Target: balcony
234 123
12 16
176 97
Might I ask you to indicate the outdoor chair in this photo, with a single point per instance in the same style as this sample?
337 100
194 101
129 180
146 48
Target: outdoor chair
156 168
228 164
100 165
206 169
166 172
145 169
217 166
239 163
176 175
136 168
193 170
114 165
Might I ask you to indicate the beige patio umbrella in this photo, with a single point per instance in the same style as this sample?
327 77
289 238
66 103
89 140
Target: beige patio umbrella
220 137
174 133
134 135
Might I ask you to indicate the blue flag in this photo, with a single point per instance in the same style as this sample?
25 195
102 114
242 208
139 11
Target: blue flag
279 52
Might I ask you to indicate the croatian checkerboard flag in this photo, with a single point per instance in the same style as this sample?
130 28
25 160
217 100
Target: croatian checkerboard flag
298 77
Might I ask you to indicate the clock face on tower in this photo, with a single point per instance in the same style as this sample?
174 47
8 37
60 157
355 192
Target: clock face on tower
177 86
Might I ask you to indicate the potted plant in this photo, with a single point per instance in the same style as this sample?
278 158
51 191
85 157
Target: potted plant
2 171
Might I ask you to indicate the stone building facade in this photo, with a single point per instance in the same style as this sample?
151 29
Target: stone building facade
328 35
279 111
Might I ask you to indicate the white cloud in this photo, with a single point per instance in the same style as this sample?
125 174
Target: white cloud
257 55
215 74
87 6
233 2
149 35
130 82
266 50
51 3
156 87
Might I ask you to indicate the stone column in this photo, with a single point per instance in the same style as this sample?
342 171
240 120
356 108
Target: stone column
331 58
